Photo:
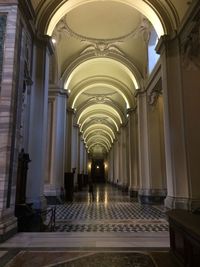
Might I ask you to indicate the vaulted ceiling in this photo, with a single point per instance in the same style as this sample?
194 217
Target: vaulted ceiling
101 56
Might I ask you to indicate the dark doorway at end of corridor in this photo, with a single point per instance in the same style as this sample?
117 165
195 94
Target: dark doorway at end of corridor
98 171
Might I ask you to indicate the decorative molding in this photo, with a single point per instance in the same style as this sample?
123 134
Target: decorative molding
99 95
100 99
3 20
190 48
70 110
99 120
143 29
27 60
47 41
151 196
139 92
125 60
182 203
154 95
101 49
153 192
131 110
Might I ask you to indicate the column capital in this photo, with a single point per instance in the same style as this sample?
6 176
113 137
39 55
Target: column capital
56 90
154 95
129 111
76 125
70 110
163 40
140 92
124 124
46 41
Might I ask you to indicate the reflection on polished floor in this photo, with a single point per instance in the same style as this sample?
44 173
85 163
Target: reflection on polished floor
110 230
111 210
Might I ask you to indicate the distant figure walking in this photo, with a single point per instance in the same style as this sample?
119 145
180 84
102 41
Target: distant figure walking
91 191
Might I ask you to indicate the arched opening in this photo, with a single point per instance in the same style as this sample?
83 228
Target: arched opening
106 124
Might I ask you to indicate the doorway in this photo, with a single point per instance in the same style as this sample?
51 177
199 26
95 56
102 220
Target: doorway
98 171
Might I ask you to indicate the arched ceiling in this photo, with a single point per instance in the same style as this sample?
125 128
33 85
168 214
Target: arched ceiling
101 54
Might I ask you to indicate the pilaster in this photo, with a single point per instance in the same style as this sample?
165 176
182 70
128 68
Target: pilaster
180 60
143 142
38 123
133 153
9 27
68 144
56 142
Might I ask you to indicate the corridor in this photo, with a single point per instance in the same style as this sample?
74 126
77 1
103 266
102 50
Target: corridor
106 231
110 211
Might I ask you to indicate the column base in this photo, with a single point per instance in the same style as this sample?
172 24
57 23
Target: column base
133 193
152 196
125 189
122 187
54 195
38 203
182 203
8 228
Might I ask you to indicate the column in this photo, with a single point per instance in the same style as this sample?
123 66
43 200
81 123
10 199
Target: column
144 161
133 153
110 166
181 79
124 150
68 143
120 158
116 160
38 125
85 164
8 94
80 154
75 151
156 145
152 188
56 142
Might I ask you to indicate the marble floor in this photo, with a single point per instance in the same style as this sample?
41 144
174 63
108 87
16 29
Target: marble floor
91 258
110 211
105 226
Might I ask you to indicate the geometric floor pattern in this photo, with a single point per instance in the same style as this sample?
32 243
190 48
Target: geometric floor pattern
110 211
112 230
38 258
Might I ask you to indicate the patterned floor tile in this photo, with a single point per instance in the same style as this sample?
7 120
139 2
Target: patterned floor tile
111 211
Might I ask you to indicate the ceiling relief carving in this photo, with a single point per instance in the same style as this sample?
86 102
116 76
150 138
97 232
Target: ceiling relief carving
99 120
102 49
153 97
100 95
191 49
143 30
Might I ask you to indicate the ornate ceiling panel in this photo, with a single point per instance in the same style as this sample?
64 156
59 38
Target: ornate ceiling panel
101 56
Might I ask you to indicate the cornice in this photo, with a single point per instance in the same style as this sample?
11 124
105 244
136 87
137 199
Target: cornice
131 110
161 43
71 110
47 41
54 90
140 92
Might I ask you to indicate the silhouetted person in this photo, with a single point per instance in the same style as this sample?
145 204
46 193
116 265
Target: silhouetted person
91 191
